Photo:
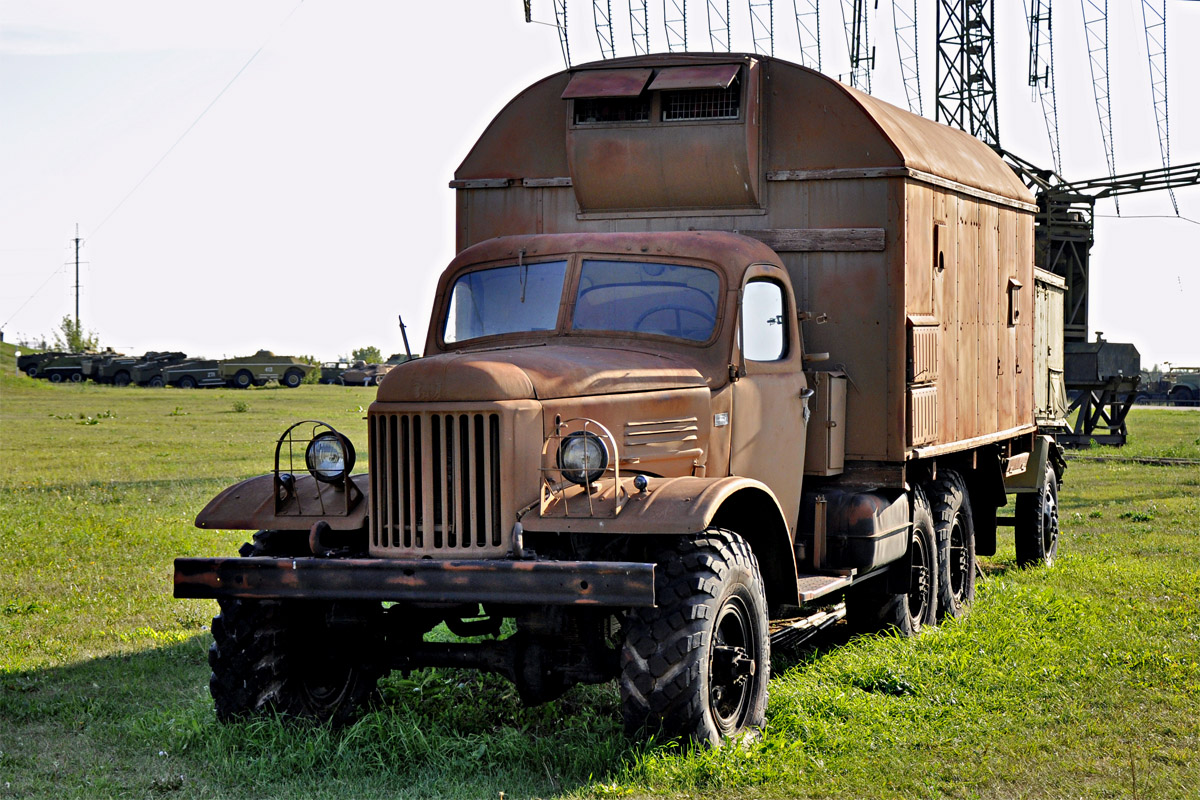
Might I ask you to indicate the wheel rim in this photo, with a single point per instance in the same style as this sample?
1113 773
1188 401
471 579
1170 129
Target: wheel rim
959 563
918 592
1049 524
731 665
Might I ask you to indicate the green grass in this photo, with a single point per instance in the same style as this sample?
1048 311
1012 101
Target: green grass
1078 681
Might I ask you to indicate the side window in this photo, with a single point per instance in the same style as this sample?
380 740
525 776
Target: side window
764 323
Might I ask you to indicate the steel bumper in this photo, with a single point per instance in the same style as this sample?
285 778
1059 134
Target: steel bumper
596 583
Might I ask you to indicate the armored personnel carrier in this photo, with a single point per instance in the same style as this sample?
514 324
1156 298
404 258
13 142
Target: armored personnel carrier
261 367
192 373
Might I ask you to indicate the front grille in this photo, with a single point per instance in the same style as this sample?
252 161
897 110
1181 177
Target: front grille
435 485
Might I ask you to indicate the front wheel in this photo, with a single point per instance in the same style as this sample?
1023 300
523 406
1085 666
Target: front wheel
156 382
122 378
243 380
285 657
292 378
696 666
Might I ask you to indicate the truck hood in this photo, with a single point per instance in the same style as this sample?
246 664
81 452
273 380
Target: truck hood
534 373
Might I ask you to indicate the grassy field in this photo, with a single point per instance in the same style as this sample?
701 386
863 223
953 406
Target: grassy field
1078 681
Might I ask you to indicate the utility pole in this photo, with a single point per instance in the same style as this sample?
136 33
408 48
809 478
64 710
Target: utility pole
77 240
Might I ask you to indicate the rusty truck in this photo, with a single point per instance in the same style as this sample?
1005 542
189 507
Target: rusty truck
726 343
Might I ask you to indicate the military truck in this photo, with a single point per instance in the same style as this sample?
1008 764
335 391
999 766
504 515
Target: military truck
1185 386
261 367
726 343
193 373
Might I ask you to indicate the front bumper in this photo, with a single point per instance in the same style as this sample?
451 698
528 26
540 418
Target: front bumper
593 583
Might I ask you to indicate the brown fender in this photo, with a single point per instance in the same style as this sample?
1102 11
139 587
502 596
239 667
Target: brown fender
250 505
687 506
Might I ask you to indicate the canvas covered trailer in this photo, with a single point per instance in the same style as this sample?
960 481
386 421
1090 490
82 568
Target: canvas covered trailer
909 244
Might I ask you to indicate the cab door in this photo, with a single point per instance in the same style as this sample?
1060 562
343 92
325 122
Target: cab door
770 393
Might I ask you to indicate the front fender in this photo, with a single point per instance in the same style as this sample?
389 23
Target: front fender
250 505
683 506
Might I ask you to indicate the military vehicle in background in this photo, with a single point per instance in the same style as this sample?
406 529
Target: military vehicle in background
98 366
1185 386
331 371
193 373
66 367
149 370
364 374
31 363
261 367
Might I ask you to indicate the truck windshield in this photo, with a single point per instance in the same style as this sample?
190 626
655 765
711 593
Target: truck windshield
510 299
647 297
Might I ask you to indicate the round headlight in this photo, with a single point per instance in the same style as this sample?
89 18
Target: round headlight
582 457
330 457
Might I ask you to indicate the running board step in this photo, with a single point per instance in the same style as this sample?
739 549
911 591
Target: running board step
813 586
787 633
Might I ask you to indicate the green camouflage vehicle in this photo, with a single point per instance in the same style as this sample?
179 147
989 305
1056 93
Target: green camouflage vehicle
31 363
264 366
149 370
331 371
1186 388
193 373
66 367
99 367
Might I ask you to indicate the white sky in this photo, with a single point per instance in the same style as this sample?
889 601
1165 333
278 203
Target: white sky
309 206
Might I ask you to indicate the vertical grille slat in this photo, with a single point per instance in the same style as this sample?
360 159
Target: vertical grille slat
436 485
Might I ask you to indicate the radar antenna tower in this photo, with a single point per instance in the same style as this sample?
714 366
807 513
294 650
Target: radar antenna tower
808 29
762 25
718 32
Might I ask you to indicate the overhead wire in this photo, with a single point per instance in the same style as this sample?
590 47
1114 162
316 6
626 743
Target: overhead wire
196 121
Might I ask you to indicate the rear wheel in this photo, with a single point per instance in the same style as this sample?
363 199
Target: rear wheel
187 382
243 380
955 544
696 666
873 605
156 382
56 377
1036 524
121 378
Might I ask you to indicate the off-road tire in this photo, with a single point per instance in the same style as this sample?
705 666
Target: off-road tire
32 371
952 523
156 382
696 666
243 380
122 378
283 657
56 377
187 382
292 378
871 606
1035 533
76 377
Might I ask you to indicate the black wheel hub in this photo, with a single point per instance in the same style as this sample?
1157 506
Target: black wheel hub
731 665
